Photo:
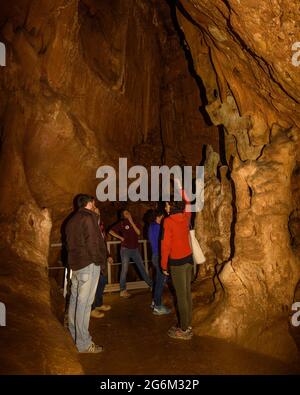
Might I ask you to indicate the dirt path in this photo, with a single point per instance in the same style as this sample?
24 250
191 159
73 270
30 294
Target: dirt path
136 342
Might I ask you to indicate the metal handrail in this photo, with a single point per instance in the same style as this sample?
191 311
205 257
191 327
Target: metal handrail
110 286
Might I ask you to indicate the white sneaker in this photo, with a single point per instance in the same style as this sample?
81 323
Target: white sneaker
125 294
104 307
93 349
97 314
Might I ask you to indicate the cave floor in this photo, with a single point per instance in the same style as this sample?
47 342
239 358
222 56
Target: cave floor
136 342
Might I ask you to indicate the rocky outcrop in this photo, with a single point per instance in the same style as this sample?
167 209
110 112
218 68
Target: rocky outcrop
213 223
243 54
86 82
33 341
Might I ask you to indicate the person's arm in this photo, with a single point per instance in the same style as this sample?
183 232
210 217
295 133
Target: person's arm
109 258
115 230
151 236
136 229
95 245
103 254
187 209
116 235
165 246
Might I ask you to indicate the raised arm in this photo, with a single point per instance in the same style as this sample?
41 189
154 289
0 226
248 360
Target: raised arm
136 229
185 197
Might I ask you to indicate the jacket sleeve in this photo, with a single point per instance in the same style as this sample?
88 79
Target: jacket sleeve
103 253
165 244
94 243
151 236
185 197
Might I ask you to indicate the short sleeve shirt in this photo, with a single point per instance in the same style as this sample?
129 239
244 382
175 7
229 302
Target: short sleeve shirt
125 229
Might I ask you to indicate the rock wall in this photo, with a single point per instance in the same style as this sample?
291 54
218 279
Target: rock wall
86 82
213 223
243 53
33 342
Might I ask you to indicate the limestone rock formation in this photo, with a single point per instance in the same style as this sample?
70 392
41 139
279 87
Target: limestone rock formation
243 53
213 223
33 342
86 82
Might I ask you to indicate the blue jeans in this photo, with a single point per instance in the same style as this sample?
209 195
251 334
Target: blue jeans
84 284
134 254
99 292
160 279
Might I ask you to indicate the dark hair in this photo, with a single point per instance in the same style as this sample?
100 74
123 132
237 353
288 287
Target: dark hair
121 212
158 213
176 206
83 200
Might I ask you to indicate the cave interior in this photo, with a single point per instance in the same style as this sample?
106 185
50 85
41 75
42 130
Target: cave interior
160 82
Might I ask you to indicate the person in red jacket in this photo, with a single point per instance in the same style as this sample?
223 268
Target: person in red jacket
177 260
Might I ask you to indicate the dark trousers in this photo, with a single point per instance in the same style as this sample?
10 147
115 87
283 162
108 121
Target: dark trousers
182 279
160 279
99 292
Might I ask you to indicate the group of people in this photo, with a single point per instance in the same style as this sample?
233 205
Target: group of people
88 258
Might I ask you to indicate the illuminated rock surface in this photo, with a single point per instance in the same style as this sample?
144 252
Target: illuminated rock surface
87 82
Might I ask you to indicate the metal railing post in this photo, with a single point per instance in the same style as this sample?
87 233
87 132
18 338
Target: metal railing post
111 287
108 266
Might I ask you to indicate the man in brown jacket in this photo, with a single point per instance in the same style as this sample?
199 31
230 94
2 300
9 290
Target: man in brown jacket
86 255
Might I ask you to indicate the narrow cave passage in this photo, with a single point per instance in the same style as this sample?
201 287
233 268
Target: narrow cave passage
157 82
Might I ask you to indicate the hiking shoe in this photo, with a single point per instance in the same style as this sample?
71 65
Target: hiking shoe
125 294
180 334
161 310
172 330
190 330
97 314
104 307
93 349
